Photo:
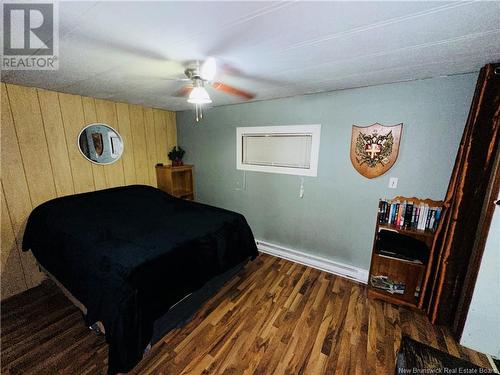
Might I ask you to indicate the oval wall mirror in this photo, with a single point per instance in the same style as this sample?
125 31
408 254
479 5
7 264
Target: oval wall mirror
100 144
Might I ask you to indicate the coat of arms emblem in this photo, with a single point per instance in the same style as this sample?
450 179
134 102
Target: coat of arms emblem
375 148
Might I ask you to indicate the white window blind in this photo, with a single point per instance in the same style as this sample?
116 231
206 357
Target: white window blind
280 150
290 149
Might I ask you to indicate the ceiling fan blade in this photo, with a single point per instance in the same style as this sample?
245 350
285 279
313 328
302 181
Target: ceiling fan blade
144 77
208 69
184 91
232 90
229 69
121 46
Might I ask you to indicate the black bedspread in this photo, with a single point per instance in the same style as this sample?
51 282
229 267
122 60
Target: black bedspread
130 253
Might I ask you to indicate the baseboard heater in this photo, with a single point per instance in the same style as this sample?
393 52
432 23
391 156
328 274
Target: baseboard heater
320 263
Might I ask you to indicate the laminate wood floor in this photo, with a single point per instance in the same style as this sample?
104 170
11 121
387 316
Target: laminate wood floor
275 317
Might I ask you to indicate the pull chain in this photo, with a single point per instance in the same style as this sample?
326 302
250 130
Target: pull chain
199 112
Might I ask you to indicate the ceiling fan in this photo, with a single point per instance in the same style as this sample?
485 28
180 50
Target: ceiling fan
201 75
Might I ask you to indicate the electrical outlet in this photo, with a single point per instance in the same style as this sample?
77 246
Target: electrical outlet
393 182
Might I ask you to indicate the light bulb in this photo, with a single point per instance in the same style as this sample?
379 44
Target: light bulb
199 95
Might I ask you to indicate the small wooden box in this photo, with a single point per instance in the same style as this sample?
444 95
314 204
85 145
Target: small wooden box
176 181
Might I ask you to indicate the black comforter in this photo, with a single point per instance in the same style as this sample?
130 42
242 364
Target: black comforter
130 253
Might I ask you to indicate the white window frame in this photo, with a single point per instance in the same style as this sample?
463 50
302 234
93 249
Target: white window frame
314 130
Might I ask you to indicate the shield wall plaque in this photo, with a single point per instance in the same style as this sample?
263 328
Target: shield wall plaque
375 148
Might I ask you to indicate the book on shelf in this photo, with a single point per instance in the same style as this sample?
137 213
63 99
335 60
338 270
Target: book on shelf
406 215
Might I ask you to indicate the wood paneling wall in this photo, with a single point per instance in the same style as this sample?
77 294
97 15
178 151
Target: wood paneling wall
40 160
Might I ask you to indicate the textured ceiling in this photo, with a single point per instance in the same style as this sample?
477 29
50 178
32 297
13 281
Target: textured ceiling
126 51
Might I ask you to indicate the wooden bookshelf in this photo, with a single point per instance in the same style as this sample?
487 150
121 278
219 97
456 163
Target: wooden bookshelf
176 181
408 272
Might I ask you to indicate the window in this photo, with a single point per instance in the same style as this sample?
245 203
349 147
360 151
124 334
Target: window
290 149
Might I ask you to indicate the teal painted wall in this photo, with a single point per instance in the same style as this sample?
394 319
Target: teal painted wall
336 217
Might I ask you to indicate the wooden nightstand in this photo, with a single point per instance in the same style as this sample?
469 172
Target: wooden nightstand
176 181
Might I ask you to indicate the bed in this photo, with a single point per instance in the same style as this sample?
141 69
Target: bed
137 259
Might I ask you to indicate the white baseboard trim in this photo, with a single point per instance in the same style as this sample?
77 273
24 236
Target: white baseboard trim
323 264
493 365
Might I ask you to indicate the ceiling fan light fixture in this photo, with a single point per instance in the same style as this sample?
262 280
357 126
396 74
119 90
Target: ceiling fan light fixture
199 96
